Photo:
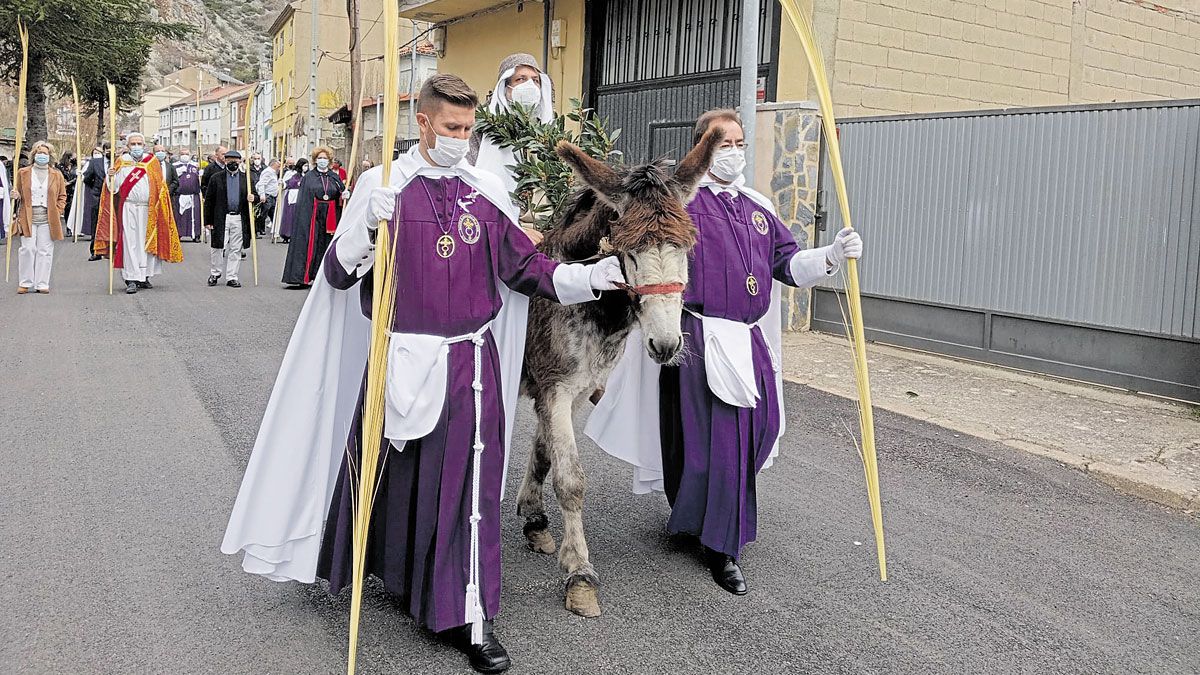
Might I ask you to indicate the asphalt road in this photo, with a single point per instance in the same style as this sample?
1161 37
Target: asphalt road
127 426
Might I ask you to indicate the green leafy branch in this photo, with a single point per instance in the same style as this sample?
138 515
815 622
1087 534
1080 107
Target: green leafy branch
544 182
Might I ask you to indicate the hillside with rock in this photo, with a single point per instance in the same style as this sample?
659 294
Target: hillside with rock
230 34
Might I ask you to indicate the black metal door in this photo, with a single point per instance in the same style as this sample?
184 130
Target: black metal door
656 65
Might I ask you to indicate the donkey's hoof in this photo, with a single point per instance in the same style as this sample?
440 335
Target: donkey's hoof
540 541
582 598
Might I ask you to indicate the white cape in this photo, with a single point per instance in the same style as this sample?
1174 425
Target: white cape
279 516
75 217
625 423
5 201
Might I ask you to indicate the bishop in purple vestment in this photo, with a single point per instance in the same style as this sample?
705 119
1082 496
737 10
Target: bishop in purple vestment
289 195
187 202
713 449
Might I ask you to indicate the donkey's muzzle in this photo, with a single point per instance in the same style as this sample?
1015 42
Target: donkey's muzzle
664 351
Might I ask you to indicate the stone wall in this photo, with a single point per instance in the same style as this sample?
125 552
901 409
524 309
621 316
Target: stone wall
786 165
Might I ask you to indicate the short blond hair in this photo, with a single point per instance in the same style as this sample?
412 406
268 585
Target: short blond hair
41 144
318 150
446 88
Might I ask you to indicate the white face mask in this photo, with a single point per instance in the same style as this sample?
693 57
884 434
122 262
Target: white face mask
728 163
449 151
97 155
185 158
528 94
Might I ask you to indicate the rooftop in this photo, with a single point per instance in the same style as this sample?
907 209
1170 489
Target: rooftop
230 91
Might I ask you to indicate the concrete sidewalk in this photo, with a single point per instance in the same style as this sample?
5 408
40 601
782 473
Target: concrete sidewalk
1140 445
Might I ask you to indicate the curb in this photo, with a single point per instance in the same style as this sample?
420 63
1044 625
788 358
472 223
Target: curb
1122 478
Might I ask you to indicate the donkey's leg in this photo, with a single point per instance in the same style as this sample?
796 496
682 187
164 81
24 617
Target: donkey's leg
529 502
569 486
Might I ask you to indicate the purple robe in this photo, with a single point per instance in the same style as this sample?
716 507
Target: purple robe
287 210
419 541
188 221
712 451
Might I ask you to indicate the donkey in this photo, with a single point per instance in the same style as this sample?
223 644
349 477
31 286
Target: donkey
638 214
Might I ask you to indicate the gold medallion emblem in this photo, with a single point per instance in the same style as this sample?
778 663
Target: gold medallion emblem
760 222
468 228
445 246
752 285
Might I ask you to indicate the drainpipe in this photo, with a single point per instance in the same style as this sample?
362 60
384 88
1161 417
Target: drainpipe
547 12
749 79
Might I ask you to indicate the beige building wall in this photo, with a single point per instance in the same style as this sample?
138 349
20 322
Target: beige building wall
903 56
291 69
155 100
474 47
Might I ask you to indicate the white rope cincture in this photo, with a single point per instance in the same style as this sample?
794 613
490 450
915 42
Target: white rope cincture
474 599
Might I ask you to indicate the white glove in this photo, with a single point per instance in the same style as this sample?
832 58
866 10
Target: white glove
383 206
606 274
846 244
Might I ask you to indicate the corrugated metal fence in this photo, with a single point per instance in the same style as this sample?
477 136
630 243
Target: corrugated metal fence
1069 237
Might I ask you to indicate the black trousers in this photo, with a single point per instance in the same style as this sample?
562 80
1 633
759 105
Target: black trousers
262 211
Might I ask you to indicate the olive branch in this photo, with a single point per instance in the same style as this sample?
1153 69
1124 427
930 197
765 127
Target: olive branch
544 182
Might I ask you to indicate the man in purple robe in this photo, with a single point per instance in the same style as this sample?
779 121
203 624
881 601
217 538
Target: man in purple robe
187 200
435 533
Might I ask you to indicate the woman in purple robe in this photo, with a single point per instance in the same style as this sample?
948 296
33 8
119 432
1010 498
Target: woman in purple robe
187 202
318 210
291 191
714 442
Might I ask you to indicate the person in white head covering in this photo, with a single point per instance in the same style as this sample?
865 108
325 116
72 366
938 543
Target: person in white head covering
520 82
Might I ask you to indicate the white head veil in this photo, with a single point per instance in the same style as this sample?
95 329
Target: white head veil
492 157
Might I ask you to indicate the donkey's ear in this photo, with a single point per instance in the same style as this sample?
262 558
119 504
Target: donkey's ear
693 166
597 175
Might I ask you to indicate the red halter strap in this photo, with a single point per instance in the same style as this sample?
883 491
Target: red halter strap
654 289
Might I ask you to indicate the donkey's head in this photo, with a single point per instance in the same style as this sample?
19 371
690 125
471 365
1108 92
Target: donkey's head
651 233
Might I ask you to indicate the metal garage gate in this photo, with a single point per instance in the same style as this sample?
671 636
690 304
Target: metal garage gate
656 65
1060 240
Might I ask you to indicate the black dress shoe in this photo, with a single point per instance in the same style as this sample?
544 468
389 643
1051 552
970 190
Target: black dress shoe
489 657
144 284
131 287
212 281
94 258
725 571
233 283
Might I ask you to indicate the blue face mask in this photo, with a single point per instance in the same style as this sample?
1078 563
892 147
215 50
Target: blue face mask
161 155
136 151
41 159
322 163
